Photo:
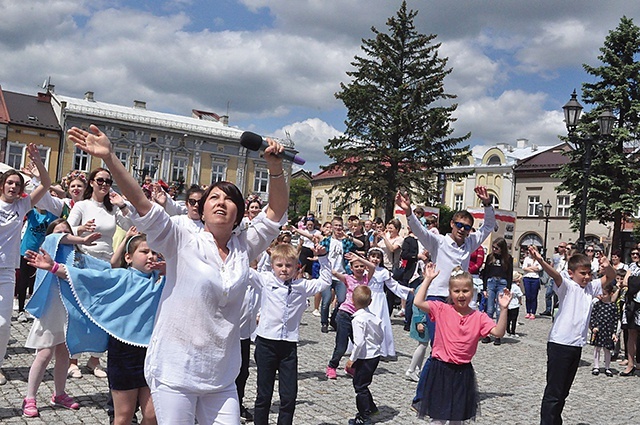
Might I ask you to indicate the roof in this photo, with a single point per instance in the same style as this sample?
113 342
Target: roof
547 161
4 113
146 117
31 111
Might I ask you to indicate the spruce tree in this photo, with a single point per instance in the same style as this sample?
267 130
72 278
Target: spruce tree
615 172
398 127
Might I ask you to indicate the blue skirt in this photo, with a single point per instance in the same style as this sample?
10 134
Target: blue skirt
125 366
450 392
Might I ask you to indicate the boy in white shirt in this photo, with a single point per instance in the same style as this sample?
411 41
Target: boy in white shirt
283 301
365 356
568 334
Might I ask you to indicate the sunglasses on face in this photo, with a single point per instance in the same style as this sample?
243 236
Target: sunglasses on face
635 253
192 202
466 227
102 181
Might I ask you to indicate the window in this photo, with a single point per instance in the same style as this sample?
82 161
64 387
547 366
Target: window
261 181
81 160
564 206
123 156
15 155
495 203
179 169
44 155
319 207
458 202
532 210
218 172
331 207
493 160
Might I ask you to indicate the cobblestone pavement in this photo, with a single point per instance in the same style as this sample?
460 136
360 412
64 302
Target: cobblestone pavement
511 378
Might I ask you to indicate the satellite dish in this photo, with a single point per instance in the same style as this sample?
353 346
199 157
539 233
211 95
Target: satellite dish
47 82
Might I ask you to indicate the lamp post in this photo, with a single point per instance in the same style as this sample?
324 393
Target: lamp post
572 110
149 170
547 212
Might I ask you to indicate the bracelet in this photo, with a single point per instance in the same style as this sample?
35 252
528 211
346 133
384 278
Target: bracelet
55 267
123 206
277 176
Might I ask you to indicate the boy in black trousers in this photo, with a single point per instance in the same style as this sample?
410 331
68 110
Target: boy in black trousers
365 356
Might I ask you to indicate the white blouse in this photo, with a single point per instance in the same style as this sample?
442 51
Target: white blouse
195 343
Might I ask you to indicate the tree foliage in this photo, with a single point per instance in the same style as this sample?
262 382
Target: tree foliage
615 172
299 198
398 127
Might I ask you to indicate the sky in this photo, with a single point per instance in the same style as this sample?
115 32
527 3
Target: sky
274 66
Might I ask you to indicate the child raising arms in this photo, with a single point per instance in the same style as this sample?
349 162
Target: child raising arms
450 391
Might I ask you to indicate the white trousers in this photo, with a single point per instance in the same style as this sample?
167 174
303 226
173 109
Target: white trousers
177 407
7 288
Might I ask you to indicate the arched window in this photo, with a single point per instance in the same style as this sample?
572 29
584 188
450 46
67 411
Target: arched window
494 160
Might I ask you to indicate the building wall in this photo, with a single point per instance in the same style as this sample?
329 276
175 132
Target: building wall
44 139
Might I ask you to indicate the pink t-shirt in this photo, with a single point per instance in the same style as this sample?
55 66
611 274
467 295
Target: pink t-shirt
351 284
456 338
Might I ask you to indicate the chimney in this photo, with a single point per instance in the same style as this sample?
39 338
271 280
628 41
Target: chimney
51 88
140 104
224 120
522 143
44 97
88 96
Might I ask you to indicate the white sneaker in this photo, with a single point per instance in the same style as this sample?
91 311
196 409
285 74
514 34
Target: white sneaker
22 317
316 312
412 375
400 313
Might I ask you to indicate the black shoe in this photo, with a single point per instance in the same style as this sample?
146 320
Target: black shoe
595 372
545 313
630 373
497 341
324 329
486 340
608 373
407 327
245 414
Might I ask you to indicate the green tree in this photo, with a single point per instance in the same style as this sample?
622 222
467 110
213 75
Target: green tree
615 173
399 119
299 198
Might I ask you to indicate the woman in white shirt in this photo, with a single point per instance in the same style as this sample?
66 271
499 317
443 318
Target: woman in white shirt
13 207
193 358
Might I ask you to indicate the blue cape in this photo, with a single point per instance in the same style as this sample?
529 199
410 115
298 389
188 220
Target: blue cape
100 301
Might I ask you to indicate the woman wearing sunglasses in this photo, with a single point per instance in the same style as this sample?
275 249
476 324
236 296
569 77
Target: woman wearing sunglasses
100 211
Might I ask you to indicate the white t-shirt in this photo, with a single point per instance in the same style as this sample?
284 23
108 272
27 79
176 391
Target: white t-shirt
529 262
11 217
335 255
308 243
195 226
572 320
517 296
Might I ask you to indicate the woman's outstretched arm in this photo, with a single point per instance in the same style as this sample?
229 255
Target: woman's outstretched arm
96 143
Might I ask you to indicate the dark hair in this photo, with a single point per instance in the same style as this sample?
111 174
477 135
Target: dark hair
88 190
131 245
419 211
194 189
232 191
353 218
578 260
54 223
4 176
621 272
463 214
609 288
505 257
378 220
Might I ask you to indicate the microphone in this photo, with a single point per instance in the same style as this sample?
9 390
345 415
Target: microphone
255 142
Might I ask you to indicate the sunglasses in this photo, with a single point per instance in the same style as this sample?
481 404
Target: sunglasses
102 181
635 253
192 202
466 227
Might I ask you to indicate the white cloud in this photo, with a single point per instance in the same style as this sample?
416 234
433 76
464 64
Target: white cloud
310 136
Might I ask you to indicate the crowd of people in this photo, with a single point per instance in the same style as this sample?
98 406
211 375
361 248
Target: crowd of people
111 272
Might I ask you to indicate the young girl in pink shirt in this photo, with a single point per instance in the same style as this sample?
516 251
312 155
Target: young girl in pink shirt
450 388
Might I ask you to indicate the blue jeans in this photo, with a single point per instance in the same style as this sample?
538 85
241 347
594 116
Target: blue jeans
341 294
548 297
531 288
431 326
495 286
344 332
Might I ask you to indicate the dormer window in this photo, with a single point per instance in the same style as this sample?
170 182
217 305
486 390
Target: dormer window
494 160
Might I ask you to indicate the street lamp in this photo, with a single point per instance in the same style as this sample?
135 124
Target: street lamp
572 110
147 170
547 212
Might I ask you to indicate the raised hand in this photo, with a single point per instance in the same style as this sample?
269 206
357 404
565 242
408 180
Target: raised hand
483 195
94 142
533 251
271 152
31 170
116 198
39 260
430 272
505 299
404 202
33 153
319 250
89 226
159 195
133 230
